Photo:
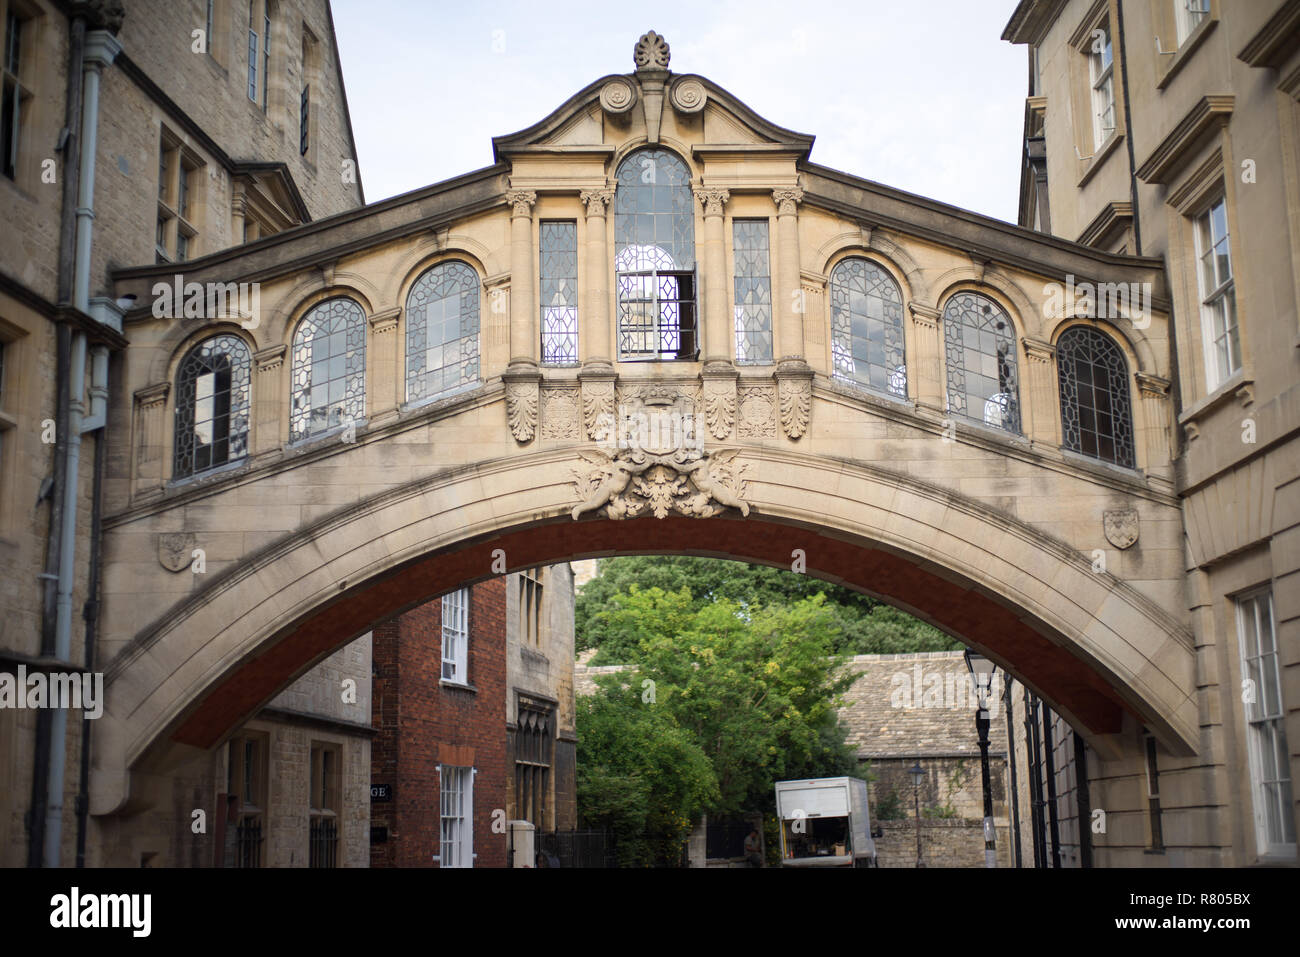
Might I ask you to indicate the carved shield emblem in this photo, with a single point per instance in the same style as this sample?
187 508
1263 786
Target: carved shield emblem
175 549
1121 526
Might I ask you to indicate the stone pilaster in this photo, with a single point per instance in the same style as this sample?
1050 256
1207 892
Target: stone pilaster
150 458
1039 393
595 331
719 334
928 357
268 400
523 317
787 306
1154 434
386 390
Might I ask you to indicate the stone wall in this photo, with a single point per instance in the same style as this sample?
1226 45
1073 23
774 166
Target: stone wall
955 843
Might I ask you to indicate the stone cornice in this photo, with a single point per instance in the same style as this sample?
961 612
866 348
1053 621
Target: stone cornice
1273 43
1209 113
1152 384
1113 218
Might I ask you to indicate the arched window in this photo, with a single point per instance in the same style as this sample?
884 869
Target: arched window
980 347
1096 411
442 331
654 258
867 327
329 368
213 385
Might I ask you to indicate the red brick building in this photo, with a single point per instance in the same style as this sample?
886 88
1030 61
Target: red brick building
433 728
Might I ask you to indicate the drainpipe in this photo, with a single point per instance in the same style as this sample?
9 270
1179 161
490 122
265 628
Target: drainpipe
1011 762
101 49
1049 767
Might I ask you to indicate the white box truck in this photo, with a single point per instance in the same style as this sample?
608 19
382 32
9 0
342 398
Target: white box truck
825 823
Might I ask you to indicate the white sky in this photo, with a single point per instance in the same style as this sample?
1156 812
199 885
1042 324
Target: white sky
921 95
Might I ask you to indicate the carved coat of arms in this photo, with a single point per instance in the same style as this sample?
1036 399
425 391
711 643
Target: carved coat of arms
632 482
1120 526
175 550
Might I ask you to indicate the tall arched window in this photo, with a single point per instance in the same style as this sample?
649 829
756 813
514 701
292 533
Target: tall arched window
654 258
1096 410
329 368
867 327
980 347
213 386
442 331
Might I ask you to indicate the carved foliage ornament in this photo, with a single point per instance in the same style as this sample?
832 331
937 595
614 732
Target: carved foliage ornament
720 406
522 200
1120 526
597 404
796 405
521 409
712 199
651 52
633 482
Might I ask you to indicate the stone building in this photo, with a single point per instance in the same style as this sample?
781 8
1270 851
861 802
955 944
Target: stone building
474 715
1171 130
127 138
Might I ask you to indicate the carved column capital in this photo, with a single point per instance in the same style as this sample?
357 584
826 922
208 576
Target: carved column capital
270 358
152 395
597 201
522 201
1152 385
712 199
1036 350
385 320
787 200
924 315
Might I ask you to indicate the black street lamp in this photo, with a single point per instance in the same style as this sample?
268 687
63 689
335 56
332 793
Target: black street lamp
917 773
981 670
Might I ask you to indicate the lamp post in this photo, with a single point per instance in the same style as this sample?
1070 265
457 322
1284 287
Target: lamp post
917 773
982 670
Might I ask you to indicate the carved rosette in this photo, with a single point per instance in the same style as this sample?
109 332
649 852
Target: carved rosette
522 201
1121 527
688 95
651 52
634 482
712 199
720 405
175 550
787 200
521 408
597 201
618 96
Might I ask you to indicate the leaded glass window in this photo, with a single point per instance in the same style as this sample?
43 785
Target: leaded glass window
980 348
654 258
753 290
329 368
1096 411
867 327
559 293
442 318
213 387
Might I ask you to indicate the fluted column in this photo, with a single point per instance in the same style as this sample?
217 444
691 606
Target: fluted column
523 318
1039 393
150 404
928 358
387 383
268 399
1155 423
595 331
718 332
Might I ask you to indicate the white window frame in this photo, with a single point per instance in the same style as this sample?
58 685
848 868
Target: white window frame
455 636
455 816
1219 302
1267 727
1188 15
1101 69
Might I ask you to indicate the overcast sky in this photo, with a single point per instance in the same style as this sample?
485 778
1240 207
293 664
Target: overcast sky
917 94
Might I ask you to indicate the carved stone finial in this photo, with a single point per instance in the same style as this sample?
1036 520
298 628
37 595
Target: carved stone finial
650 52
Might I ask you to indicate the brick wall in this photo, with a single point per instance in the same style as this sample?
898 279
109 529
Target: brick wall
423 722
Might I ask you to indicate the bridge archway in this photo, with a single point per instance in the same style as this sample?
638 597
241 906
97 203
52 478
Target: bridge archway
1091 644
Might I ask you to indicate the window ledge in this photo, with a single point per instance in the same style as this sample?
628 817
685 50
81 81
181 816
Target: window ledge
1099 158
458 685
332 432
1101 465
1239 380
1189 46
199 477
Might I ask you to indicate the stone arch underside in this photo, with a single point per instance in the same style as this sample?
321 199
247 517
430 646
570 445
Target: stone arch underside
1089 643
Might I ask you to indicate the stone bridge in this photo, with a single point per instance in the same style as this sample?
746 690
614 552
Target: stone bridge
651 326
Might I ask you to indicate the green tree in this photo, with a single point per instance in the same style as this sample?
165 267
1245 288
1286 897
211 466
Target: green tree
864 625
